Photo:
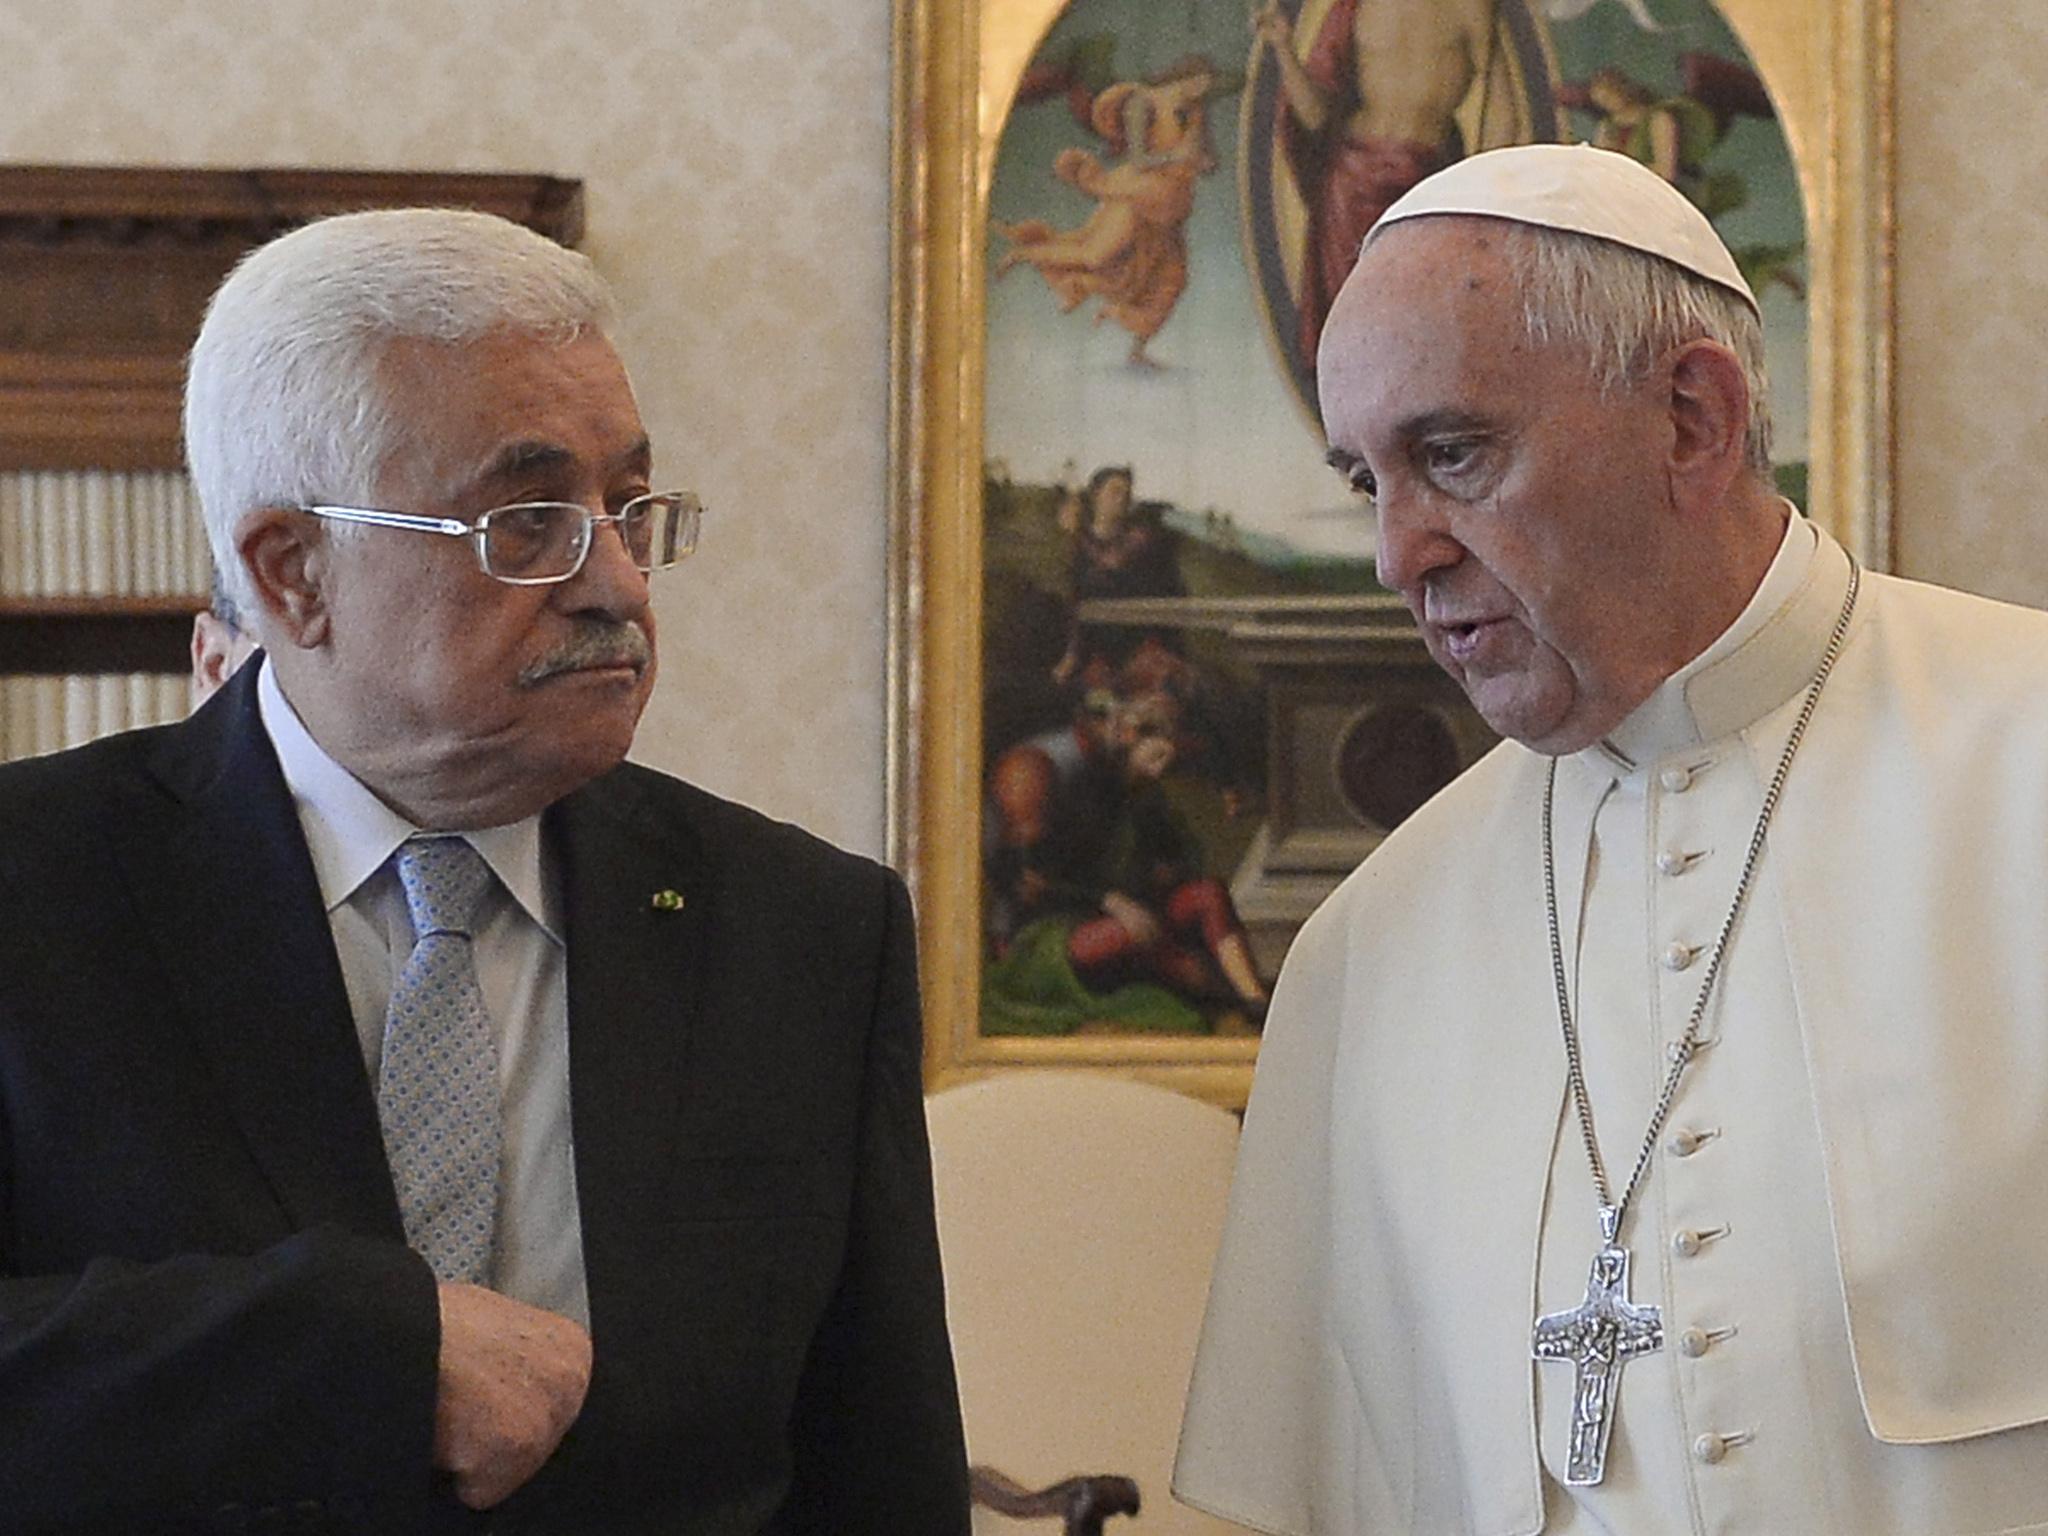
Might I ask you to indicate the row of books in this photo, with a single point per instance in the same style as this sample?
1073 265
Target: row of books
47 714
67 533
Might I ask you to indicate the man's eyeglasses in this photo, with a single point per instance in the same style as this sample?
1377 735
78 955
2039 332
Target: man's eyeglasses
533 543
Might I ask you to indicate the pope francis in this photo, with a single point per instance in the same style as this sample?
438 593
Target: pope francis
1650 1137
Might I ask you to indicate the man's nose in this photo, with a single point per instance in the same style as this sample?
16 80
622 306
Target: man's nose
610 583
1412 540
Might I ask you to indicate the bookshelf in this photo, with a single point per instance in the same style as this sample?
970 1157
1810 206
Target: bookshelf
56 635
104 275
100 574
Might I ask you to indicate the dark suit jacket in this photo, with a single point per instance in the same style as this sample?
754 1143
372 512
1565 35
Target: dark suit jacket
208 1317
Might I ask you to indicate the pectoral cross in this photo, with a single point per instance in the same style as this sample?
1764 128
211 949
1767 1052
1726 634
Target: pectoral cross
1599 1336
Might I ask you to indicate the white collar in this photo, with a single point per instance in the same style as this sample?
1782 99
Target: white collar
351 833
1757 662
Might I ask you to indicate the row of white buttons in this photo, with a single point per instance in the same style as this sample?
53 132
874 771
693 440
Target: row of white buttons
1676 861
1710 1448
1693 1343
1687 1242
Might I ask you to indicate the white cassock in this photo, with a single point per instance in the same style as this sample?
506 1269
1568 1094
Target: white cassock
1846 1220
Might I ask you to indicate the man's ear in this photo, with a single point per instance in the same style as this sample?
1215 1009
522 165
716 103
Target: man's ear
1710 425
209 652
287 556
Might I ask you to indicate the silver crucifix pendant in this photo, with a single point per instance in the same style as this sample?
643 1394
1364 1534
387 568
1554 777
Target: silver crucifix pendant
1599 1336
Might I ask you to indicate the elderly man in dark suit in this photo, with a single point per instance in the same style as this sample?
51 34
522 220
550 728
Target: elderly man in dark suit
412 1118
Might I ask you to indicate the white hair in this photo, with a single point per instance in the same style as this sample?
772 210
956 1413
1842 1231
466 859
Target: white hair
284 406
1624 308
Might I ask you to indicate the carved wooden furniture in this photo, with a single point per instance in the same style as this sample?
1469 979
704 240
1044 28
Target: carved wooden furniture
1081 1504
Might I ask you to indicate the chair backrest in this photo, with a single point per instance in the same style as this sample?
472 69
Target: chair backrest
1078 1217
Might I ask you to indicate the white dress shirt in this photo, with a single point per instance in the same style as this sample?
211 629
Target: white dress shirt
521 966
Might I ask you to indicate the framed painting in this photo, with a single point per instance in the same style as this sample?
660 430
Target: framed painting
1148 705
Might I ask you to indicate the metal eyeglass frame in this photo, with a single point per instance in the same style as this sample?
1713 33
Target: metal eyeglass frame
690 511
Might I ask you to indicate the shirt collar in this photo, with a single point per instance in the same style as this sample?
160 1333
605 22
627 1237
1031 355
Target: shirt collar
351 833
1755 665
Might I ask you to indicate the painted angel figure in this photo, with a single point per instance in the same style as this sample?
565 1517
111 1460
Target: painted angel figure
1131 253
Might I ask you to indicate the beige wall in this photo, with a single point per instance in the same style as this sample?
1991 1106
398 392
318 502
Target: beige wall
736 153
1973 295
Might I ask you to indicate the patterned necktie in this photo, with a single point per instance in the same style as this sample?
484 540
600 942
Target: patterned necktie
437 1084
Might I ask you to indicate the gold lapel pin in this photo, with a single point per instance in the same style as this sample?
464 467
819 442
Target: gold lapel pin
668 901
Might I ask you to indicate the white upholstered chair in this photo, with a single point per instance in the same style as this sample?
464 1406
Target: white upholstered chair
1078 1216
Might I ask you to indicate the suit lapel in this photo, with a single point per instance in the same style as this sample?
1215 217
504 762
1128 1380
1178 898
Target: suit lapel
229 897
636 963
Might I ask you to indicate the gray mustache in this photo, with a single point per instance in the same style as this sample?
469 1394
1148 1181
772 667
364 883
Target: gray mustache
595 643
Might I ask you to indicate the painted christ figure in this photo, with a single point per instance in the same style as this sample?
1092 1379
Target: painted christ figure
1368 110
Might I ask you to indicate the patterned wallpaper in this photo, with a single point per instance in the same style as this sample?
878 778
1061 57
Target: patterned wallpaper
1972 422
736 155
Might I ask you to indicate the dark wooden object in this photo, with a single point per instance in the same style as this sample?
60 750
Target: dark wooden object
1082 1503
64 635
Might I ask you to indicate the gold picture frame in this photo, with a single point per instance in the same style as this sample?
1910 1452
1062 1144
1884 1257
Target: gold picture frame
1827 64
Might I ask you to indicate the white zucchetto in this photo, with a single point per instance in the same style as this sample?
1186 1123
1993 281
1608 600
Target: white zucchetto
1584 190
